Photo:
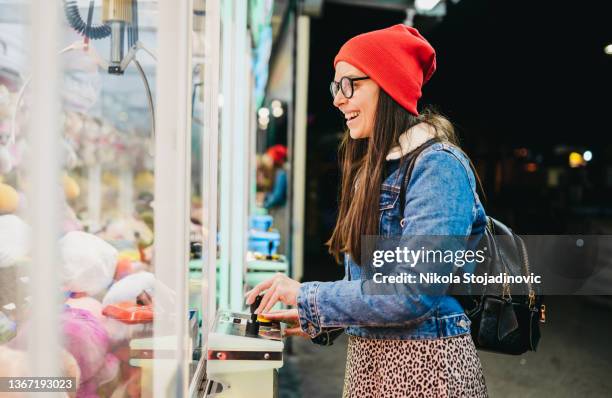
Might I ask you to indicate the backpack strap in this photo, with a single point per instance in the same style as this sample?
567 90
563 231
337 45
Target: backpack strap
410 161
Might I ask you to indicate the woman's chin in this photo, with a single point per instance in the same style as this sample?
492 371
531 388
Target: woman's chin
356 134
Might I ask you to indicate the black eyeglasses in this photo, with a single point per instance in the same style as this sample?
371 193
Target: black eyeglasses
345 85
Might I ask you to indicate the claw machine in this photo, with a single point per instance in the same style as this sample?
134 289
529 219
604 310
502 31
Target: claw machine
101 206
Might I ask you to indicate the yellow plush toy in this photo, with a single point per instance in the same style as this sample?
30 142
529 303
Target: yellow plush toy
71 187
9 199
144 181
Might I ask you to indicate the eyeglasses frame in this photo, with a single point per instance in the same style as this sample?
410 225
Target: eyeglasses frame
338 86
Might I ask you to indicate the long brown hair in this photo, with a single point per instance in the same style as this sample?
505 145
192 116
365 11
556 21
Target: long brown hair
362 163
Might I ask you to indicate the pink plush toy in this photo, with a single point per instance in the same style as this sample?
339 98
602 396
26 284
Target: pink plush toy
87 340
88 304
118 332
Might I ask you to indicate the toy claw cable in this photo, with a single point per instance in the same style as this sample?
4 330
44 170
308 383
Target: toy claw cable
116 15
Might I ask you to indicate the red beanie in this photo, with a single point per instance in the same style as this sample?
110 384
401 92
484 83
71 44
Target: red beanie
398 58
278 153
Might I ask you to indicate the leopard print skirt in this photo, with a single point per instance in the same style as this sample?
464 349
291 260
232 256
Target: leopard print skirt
442 368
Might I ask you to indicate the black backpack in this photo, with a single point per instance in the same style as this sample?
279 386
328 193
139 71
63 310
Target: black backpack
503 320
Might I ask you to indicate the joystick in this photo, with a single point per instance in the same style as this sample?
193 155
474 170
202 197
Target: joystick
252 327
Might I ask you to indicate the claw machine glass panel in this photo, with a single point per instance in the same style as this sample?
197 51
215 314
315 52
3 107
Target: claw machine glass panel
50 267
271 25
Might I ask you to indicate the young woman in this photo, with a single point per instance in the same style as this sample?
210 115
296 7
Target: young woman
403 345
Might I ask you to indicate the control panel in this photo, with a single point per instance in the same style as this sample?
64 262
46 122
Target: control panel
244 353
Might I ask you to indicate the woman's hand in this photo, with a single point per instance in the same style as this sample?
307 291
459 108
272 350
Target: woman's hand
278 288
291 318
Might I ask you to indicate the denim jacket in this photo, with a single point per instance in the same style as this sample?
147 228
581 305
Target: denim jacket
440 199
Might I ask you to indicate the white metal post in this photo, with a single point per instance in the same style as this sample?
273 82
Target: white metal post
44 190
227 121
126 192
210 160
240 151
299 152
172 195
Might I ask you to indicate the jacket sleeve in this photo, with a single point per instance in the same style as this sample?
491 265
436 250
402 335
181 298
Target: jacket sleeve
278 196
441 203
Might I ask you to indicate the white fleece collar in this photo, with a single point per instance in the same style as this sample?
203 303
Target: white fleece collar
411 139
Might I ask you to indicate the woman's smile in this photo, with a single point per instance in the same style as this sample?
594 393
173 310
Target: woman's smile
351 117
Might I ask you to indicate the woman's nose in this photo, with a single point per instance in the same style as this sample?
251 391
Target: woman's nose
339 99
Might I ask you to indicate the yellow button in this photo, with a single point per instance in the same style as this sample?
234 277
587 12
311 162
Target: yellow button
260 318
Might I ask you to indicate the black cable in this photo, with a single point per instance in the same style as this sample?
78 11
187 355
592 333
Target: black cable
73 16
89 18
135 19
133 27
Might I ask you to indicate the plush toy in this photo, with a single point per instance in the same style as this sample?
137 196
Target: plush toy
144 181
14 363
5 102
18 151
128 229
68 155
86 339
147 215
128 288
127 266
118 332
9 199
133 286
6 160
73 125
86 303
71 187
70 222
110 179
129 312
14 235
128 253
8 328
88 263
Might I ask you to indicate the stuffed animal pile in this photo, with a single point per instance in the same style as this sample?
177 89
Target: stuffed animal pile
103 310
105 275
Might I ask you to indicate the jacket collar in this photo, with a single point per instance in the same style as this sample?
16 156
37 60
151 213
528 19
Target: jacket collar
411 139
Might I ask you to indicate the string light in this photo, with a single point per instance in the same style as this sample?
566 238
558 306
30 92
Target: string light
575 160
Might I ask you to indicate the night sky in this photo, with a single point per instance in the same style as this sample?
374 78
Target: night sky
516 71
